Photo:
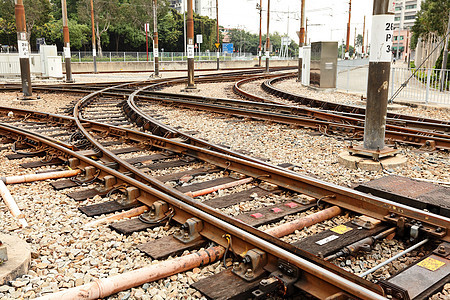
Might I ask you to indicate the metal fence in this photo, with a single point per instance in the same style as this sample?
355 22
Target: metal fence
83 56
426 86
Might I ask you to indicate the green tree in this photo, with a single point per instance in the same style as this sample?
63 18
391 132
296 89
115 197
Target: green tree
432 17
359 40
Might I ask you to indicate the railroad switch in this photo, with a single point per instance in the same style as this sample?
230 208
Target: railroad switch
413 228
252 265
281 281
190 231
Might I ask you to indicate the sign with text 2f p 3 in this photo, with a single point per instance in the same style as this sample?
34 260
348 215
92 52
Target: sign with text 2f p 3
382 36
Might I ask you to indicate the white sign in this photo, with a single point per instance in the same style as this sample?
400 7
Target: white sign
381 41
199 38
190 41
67 52
218 55
94 53
300 52
155 52
327 239
259 53
391 7
23 49
190 51
23 36
147 27
267 54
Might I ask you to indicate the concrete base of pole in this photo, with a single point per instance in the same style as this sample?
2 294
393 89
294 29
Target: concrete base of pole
28 99
19 258
368 164
190 89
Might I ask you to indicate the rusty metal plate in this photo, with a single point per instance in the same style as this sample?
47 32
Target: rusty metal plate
419 194
423 277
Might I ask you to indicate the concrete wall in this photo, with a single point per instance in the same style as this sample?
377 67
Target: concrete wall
87 67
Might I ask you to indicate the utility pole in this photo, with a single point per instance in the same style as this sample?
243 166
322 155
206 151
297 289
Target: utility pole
364 35
445 55
354 41
190 46
268 38
94 52
217 31
67 55
301 41
379 71
348 25
155 38
260 33
22 45
367 41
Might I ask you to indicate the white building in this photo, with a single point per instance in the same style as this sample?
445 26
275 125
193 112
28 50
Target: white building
405 13
202 7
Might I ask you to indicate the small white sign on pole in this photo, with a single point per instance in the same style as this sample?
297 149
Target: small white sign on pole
23 49
147 27
382 36
199 38
190 51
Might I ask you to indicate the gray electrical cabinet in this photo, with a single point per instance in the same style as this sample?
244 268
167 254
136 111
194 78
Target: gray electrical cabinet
323 68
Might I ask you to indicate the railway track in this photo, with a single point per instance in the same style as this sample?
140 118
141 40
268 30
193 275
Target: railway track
99 134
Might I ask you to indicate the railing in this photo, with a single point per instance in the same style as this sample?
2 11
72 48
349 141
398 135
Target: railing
82 56
426 86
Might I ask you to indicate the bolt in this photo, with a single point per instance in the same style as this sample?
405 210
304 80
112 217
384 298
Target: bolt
399 295
186 235
249 273
236 266
264 282
441 249
392 215
389 291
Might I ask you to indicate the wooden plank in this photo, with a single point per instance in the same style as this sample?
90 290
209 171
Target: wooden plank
167 164
327 242
83 195
225 285
168 246
115 151
228 200
178 175
63 184
20 156
147 158
205 185
37 164
131 225
105 208
272 213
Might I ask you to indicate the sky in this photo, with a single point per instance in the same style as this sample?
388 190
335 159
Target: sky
327 19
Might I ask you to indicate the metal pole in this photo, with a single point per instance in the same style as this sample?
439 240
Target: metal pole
94 52
155 38
348 25
268 38
184 25
379 71
67 55
444 58
364 35
393 258
260 33
217 32
190 45
22 45
146 39
301 41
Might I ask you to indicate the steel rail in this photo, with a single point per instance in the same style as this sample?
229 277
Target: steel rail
401 134
345 197
356 120
268 87
311 269
206 213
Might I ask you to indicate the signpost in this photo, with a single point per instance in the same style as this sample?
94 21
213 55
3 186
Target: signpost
199 38
227 47
147 29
